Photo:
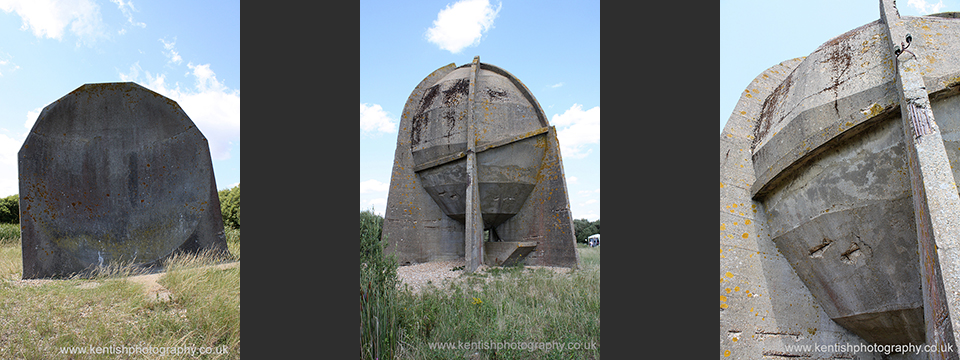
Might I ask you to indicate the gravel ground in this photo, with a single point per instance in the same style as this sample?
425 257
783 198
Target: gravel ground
417 276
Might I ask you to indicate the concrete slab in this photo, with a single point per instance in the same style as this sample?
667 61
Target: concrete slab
507 253
114 173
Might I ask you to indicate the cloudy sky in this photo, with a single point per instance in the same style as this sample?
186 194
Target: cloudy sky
552 47
755 35
188 51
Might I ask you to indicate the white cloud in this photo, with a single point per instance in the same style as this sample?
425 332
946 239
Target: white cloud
377 205
9 147
50 18
559 84
376 188
373 185
924 8
572 180
374 119
213 106
32 116
462 24
577 129
127 9
171 53
133 74
6 64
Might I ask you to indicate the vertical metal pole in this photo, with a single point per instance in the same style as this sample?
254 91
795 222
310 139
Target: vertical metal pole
473 233
936 202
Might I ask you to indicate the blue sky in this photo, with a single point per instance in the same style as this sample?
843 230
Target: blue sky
755 35
186 50
553 47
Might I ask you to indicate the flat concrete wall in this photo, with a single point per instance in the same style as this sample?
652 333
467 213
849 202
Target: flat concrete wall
114 173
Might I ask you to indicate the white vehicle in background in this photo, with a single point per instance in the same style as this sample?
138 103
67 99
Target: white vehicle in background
593 240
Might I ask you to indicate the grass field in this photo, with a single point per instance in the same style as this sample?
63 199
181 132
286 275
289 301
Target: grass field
526 313
111 315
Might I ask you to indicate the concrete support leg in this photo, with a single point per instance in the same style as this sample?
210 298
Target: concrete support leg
935 198
473 232
473 238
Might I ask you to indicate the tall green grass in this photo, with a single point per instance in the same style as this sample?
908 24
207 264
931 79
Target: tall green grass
210 298
9 234
508 306
502 307
233 241
379 325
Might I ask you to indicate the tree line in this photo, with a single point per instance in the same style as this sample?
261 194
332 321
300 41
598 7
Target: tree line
584 228
229 207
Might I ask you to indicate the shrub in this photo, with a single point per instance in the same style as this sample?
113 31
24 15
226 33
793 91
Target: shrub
230 206
9 233
584 228
10 209
379 323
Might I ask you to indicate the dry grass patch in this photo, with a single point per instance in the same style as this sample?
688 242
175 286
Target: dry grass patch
41 318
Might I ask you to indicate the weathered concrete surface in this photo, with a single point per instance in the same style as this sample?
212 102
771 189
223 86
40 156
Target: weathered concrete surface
936 202
818 175
114 173
476 119
418 231
507 253
826 223
845 82
764 305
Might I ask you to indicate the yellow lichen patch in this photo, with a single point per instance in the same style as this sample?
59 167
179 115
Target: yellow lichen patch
721 185
726 353
736 288
746 235
723 306
746 222
723 226
729 275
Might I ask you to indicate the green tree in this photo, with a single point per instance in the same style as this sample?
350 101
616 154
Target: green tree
230 206
10 209
584 228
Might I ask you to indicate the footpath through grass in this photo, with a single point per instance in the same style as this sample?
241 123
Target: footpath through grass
506 313
79 318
